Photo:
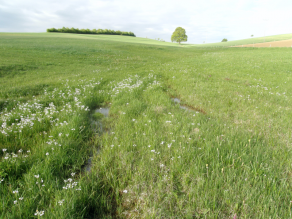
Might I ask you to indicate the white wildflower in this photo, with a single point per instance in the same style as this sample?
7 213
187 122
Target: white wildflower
61 202
39 213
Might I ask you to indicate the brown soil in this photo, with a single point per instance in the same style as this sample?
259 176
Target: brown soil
283 43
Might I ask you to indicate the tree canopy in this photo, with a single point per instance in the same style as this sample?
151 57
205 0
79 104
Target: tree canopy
87 31
179 35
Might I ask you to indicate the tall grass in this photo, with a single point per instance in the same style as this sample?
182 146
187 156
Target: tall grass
227 156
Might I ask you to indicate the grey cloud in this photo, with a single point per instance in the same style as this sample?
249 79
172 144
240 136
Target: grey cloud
12 21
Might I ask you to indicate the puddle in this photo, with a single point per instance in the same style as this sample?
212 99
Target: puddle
104 111
97 128
177 101
96 123
87 167
189 109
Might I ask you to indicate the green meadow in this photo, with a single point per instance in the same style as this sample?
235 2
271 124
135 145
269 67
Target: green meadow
192 132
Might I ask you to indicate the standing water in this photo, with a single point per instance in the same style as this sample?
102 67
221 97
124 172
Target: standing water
97 127
177 101
104 111
96 124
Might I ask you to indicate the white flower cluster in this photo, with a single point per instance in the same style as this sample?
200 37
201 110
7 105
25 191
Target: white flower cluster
12 156
26 115
61 202
15 192
49 111
78 104
39 213
70 184
53 142
38 182
129 84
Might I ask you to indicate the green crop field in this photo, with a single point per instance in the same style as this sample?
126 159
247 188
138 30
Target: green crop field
251 40
192 132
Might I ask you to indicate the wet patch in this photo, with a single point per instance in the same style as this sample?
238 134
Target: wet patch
98 129
96 118
88 165
186 107
177 101
104 111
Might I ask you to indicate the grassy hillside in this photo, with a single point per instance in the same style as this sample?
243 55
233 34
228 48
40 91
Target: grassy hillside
110 38
224 150
248 41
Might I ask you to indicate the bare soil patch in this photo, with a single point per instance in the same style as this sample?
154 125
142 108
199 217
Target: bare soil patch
282 43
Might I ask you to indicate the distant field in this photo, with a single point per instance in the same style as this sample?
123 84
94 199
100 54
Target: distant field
251 40
282 43
191 132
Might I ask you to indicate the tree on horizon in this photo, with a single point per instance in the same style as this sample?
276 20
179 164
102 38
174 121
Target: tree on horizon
179 35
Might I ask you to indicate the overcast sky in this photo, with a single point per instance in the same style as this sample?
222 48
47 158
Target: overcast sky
209 20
